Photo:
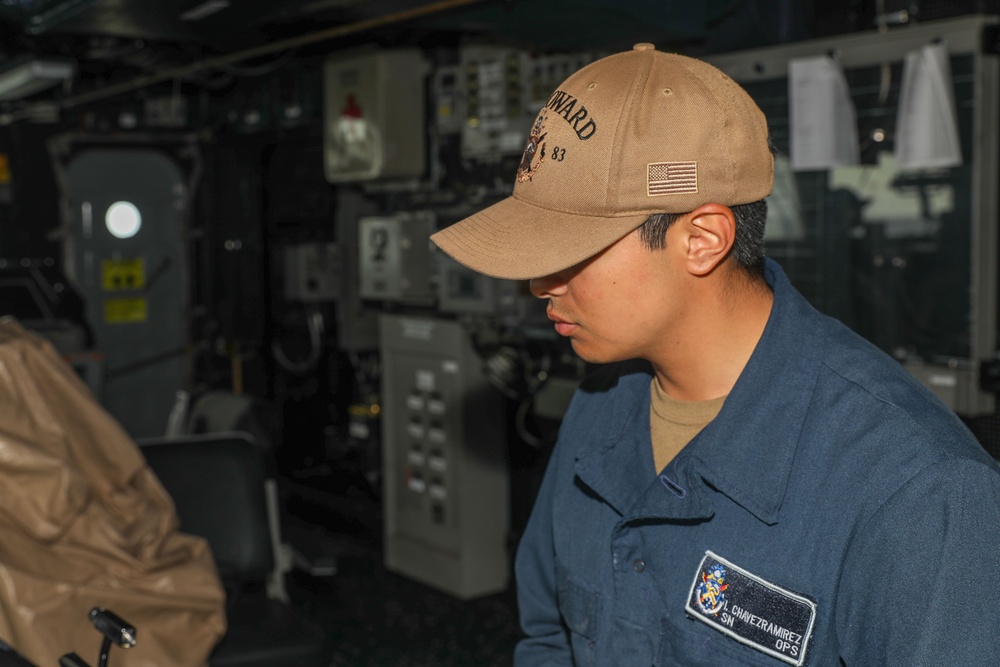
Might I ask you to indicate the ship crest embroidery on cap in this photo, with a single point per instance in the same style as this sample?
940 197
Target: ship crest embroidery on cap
534 152
672 178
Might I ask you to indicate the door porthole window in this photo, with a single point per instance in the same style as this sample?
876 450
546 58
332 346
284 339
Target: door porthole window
123 220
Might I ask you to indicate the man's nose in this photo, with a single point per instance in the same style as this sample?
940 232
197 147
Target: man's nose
548 286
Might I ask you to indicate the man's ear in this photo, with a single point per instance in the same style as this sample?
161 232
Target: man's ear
709 234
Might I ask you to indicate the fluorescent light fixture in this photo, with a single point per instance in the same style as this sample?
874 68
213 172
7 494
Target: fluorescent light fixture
29 77
198 12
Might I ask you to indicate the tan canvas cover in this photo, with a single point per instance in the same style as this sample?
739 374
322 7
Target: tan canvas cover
84 523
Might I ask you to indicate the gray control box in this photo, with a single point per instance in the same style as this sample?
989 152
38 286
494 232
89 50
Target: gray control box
396 258
446 498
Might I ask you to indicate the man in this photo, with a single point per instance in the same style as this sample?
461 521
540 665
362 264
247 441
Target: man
744 481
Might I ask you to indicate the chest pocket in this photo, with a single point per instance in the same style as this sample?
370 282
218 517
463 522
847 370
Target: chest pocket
688 643
580 609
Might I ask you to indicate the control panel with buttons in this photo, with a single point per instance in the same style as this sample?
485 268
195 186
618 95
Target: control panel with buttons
446 482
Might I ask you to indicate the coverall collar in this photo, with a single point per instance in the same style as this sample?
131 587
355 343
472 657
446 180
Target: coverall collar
752 474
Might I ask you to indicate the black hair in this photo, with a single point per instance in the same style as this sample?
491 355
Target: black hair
748 247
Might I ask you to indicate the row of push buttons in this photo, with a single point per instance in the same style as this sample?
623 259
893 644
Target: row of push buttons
433 404
426 460
435 488
435 460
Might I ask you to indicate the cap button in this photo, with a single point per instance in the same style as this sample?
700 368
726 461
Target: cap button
643 46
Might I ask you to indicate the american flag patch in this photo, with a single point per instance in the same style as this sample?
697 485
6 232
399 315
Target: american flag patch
672 178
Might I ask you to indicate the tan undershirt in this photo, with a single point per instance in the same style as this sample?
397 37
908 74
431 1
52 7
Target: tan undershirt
673 423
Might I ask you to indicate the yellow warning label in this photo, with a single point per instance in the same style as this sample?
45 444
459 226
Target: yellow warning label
125 311
123 274
4 169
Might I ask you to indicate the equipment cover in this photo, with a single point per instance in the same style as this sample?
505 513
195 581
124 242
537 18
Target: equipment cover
84 523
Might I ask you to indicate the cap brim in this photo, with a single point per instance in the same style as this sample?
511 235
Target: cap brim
518 241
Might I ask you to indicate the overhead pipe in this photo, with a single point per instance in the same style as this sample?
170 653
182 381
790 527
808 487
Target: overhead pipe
232 58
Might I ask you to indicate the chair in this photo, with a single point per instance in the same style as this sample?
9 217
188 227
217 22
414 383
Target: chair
219 487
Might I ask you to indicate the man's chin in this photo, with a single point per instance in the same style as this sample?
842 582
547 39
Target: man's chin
596 356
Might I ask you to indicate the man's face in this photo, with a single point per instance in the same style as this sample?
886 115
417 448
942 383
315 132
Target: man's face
623 303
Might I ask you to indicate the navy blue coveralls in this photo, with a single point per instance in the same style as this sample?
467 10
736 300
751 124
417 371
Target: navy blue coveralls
834 510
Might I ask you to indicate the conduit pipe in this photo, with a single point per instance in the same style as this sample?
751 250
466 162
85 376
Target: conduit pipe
240 56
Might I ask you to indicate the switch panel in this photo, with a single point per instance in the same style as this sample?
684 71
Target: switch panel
446 482
395 258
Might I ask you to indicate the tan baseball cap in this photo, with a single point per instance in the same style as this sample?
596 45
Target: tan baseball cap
628 135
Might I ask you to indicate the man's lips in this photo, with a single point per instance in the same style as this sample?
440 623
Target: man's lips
563 328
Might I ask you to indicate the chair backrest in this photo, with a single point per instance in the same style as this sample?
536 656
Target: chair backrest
217 483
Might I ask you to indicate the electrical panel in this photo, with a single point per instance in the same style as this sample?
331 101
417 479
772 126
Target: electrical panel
446 499
396 257
905 255
503 91
374 119
497 118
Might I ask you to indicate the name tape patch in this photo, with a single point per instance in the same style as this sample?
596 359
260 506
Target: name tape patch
755 612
